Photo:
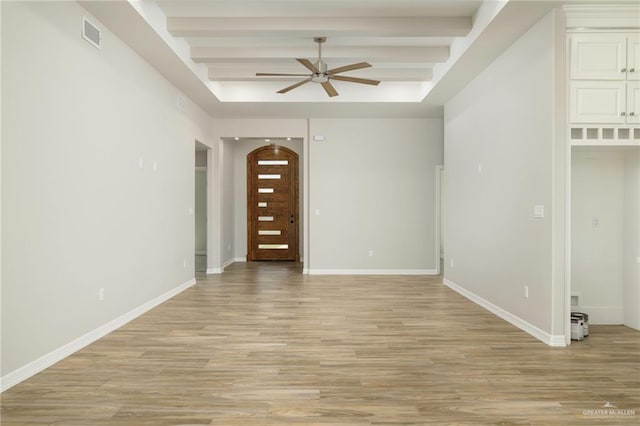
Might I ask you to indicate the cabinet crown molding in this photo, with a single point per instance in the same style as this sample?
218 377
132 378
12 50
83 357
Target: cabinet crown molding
602 16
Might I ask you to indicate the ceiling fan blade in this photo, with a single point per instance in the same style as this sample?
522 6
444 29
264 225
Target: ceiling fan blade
351 67
309 65
293 86
328 87
355 80
270 74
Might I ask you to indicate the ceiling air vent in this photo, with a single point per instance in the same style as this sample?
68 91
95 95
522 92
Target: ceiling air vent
90 32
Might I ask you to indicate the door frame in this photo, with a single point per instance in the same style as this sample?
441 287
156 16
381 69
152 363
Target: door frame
438 233
251 201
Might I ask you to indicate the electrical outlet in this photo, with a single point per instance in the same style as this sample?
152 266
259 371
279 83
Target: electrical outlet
526 291
370 253
229 247
451 261
184 263
101 294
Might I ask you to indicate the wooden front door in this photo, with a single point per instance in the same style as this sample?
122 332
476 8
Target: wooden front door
272 204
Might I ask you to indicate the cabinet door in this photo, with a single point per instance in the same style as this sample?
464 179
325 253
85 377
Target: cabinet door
633 57
597 101
598 56
633 102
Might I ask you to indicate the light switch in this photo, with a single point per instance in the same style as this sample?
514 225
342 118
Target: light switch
318 138
538 211
317 212
479 168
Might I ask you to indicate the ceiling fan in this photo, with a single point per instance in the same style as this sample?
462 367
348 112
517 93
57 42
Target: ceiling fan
320 73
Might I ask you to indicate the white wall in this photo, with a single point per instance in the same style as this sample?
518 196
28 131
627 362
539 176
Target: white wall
230 215
78 213
240 151
605 234
1 174
373 183
442 217
504 122
631 235
597 207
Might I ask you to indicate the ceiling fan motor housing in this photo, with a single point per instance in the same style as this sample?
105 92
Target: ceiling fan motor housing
322 76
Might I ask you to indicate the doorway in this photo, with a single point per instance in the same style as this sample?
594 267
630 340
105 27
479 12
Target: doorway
272 204
200 208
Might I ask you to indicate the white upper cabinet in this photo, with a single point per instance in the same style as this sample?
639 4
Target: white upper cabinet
633 102
604 78
633 57
598 57
598 101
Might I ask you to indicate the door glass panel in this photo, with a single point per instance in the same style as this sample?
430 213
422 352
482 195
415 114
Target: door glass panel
262 204
273 246
269 232
265 218
268 176
273 162
265 190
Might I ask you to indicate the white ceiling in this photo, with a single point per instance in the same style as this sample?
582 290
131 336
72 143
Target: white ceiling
422 51
401 39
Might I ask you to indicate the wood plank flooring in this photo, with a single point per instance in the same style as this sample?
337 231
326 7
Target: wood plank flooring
264 345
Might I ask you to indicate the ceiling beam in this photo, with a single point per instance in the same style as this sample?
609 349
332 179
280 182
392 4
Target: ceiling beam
311 27
381 54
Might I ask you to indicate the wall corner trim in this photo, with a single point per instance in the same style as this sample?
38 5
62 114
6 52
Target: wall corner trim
23 373
543 336
214 271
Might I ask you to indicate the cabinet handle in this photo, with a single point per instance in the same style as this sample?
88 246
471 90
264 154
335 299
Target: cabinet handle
632 113
632 70
623 70
622 114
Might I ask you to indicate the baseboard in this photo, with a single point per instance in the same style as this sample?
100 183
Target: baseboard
46 361
543 336
370 271
229 262
604 315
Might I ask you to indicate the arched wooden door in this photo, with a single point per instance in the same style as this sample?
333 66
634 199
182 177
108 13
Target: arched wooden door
272 204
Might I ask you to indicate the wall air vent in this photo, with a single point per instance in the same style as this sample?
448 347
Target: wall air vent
91 33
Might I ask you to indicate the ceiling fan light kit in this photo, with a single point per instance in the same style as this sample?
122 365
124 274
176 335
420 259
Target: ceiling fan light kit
320 73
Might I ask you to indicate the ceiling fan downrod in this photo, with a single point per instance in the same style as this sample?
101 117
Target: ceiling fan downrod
321 75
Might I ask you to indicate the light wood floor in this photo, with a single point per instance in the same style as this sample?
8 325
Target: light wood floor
264 345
